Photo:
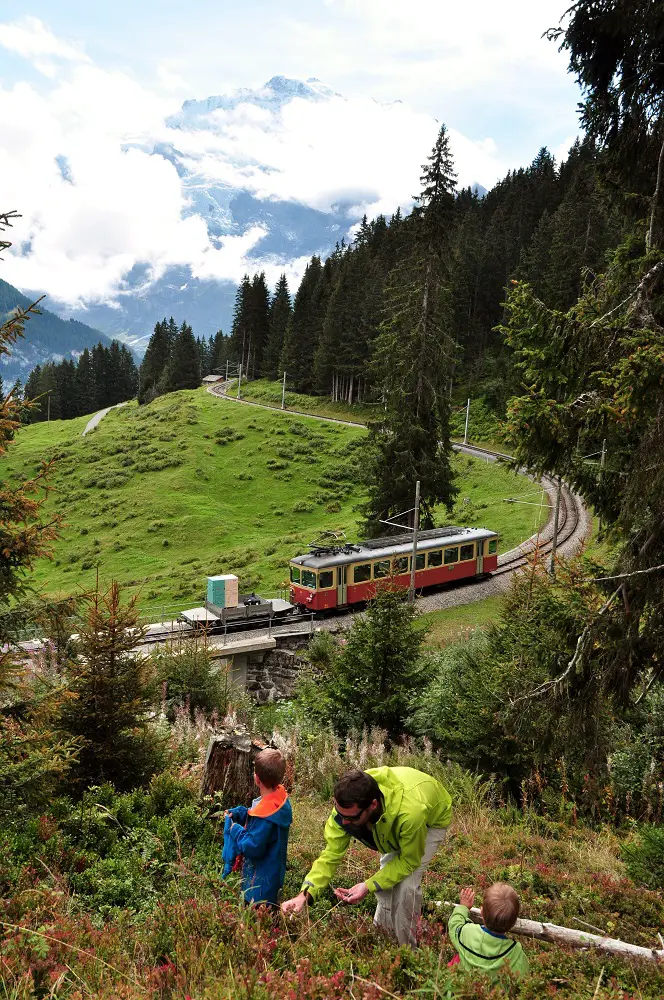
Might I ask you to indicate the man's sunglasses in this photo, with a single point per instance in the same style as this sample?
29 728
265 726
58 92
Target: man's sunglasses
356 816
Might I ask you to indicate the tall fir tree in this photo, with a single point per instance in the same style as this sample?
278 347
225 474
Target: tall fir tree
412 363
280 313
184 367
109 714
86 389
155 360
300 341
436 202
241 328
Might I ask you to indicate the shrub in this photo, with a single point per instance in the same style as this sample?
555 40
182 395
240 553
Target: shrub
645 858
189 677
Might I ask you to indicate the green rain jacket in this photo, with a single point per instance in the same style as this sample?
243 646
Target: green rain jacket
482 949
413 802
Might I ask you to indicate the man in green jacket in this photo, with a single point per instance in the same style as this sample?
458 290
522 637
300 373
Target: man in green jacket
399 812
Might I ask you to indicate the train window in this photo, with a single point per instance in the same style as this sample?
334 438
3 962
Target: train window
419 561
325 579
452 555
402 564
362 573
381 569
493 546
295 574
467 552
308 579
436 558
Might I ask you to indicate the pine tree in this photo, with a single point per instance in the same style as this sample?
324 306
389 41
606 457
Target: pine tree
221 353
184 367
109 714
259 325
300 342
241 328
85 384
435 202
412 364
33 389
155 361
382 654
280 313
65 375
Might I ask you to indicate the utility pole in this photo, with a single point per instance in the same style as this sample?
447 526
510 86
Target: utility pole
465 433
602 463
554 539
48 409
227 369
283 393
416 528
239 383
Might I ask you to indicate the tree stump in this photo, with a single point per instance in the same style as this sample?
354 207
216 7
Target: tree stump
229 767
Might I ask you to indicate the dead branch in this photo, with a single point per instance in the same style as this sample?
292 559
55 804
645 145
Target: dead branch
637 294
580 648
626 576
567 936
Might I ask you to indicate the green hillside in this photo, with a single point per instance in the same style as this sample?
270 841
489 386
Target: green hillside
158 497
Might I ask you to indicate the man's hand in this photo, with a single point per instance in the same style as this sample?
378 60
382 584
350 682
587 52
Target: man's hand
467 897
294 905
354 895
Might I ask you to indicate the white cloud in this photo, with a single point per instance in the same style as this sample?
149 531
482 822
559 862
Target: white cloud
353 151
31 39
94 209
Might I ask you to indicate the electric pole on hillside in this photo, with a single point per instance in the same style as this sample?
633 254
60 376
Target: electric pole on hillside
554 537
416 528
283 393
239 383
465 433
393 523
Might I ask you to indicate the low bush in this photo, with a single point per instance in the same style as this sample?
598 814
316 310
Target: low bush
644 859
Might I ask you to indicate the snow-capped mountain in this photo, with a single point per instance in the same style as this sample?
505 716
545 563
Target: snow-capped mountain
281 230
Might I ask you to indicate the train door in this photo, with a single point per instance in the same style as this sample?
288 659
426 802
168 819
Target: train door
342 596
480 558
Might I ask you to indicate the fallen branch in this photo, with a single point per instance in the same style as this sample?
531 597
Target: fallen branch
567 936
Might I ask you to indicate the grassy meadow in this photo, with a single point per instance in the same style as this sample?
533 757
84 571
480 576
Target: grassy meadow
159 497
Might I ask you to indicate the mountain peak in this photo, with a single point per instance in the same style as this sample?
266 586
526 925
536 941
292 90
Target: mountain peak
273 95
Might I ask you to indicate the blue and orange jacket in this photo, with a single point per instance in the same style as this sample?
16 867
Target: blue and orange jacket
264 844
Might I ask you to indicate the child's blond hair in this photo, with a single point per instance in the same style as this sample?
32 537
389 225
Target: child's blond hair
500 907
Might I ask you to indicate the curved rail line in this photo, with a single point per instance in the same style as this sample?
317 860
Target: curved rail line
570 516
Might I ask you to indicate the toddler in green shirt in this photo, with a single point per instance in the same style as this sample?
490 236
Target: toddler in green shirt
484 946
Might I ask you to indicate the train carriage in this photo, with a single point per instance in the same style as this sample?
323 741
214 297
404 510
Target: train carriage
343 575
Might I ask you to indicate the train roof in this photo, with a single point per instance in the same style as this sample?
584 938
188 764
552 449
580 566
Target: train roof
380 548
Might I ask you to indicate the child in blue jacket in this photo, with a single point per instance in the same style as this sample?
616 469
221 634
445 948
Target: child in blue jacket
260 833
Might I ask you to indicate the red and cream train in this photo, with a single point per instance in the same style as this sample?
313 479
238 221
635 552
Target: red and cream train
343 575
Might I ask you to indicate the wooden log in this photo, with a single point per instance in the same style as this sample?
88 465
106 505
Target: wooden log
229 767
556 934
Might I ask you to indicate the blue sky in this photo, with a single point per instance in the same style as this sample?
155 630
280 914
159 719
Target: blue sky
77 79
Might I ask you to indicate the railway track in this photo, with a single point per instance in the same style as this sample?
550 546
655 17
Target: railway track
573 524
